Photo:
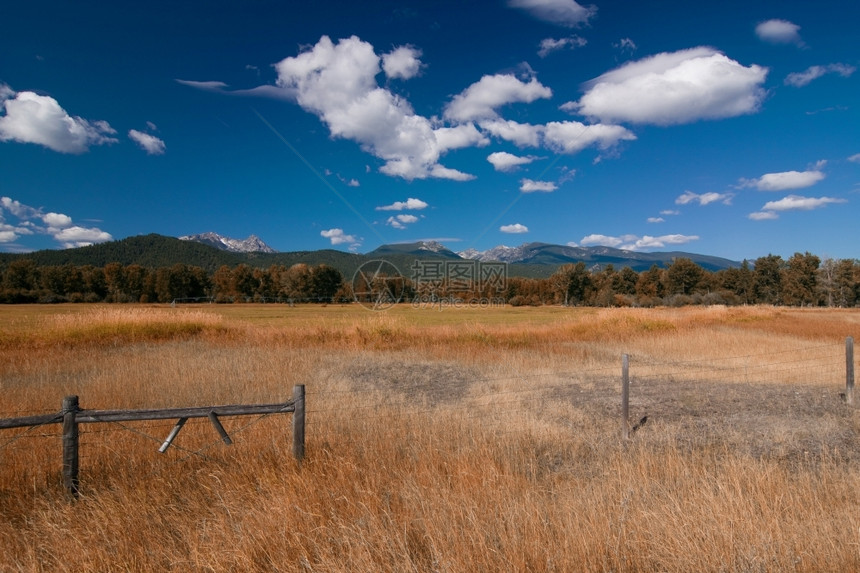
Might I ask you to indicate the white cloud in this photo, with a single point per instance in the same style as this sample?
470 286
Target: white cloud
855 158
635 243
520 134
402 63
674 88
409 204
778 32
550 45
59 226
625 45
33 118
648 242
442 172
704 198
516 228
530 186
464 135
149 143
18 209
75 236
565 13
670 212
785 180
480 100
504 161
337 82
763 216
400 221
338 237
656 220
211 86
800 203
57 220
6 92
800 79
602 240
573 136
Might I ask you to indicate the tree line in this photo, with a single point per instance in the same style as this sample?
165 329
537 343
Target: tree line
22 281
802 280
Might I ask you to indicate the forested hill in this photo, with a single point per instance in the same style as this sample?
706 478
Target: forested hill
157 251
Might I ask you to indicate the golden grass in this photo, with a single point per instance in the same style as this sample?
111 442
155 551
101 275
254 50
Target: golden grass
462 440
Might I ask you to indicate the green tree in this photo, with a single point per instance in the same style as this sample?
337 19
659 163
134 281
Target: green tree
138 283
21 275
325 282
625 281
767 279
181 281
115 283
684 277
243 282
296 282
94 283
799 285
736 283
52 279
570 283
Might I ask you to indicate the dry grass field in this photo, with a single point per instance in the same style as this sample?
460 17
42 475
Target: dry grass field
457 441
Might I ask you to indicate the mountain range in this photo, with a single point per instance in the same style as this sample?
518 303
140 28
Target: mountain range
210 251
552 256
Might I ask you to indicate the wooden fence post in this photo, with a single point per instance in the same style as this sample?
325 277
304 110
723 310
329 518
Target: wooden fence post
70 446
849 371
625 396
299 422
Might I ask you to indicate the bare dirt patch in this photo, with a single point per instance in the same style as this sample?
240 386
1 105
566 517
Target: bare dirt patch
784 422
435 382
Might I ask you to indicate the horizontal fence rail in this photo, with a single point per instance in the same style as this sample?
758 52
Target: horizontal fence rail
155 414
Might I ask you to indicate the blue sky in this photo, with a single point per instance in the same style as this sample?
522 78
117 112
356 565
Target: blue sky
726 128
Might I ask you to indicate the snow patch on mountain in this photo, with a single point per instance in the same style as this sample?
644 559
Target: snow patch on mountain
253 244
500 253
432 246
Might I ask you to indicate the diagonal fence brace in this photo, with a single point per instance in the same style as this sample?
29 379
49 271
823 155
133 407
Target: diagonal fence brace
172 435
213 417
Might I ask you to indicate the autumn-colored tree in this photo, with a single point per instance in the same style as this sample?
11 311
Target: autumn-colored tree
650 287
222 284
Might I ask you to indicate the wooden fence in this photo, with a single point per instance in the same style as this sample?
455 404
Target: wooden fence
71 415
